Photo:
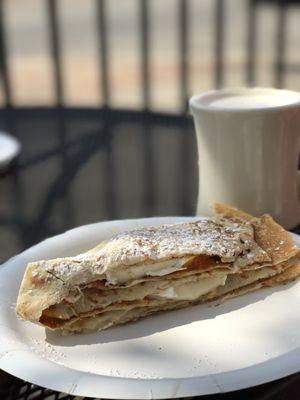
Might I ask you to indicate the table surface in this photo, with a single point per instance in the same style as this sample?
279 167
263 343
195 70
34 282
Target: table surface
79 166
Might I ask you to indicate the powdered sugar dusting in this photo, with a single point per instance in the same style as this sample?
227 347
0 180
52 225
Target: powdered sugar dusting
47 351
67 270
228 240
207 236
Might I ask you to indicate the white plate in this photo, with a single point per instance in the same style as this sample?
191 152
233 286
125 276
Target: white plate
9 148
199 350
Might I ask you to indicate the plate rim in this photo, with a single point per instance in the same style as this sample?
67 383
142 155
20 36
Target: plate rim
13 151
137 388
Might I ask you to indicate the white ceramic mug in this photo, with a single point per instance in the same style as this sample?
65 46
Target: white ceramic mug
248 148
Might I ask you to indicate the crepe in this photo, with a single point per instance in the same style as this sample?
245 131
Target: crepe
148 270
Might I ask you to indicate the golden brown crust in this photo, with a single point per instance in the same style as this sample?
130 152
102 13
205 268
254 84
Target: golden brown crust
275 240
269 235
227 211
289 275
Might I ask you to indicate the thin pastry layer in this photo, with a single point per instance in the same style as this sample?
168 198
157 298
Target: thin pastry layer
125 315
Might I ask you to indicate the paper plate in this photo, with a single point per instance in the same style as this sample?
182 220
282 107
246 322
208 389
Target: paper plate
9 148
199 350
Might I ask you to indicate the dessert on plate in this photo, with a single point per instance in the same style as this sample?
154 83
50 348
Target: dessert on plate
149 270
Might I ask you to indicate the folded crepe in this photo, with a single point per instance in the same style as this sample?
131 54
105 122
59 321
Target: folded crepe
166 267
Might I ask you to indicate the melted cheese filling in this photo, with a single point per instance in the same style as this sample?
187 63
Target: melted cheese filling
162 300
192 290
118 276
149 297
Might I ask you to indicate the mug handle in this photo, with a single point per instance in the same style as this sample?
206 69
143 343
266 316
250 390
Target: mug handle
297 210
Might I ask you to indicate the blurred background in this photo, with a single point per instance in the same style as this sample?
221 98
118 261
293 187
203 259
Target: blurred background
144 53
96 92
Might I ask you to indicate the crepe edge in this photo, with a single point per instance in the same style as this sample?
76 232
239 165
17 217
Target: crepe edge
268 234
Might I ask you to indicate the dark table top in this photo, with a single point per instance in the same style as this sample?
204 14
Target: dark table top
79 166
